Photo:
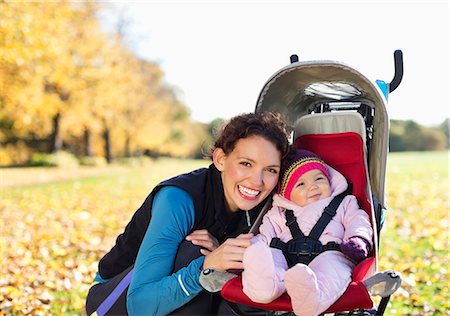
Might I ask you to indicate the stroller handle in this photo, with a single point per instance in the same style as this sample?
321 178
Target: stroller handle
294 58
398 64
398 75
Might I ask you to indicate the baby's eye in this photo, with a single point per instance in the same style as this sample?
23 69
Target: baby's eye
300 184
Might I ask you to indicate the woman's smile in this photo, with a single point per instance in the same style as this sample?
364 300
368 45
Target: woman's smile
247 193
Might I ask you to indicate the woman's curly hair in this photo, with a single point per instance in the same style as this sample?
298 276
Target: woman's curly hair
268 125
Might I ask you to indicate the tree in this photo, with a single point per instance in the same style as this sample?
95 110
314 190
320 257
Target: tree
411 136
445 128
66 84
43 50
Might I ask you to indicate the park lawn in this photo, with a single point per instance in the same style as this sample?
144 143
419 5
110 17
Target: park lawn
55 233
415 238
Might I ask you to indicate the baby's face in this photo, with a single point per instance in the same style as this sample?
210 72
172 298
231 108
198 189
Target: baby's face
310 187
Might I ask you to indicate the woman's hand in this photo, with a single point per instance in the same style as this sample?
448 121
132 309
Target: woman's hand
229 255
203 239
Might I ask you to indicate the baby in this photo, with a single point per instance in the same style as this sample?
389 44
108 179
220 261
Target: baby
280 257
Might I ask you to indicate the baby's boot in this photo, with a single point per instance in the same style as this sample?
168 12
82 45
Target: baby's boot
264 268
301 285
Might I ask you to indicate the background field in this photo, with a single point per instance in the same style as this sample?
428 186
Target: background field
54 233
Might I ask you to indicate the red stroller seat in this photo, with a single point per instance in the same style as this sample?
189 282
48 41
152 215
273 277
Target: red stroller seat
346 153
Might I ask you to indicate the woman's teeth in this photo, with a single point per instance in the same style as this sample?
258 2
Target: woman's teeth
248 191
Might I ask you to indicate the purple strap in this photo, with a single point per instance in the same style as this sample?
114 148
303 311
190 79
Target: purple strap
115 294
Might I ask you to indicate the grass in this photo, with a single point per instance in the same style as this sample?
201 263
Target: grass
53 234
415 239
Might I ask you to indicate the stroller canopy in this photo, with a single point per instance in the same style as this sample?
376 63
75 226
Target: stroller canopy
302 88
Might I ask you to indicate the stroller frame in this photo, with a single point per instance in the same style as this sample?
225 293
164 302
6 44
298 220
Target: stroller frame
329 97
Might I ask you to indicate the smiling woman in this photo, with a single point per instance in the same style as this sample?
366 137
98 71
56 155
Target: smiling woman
193 222
250 172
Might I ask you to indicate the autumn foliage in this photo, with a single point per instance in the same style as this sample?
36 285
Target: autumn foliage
66 84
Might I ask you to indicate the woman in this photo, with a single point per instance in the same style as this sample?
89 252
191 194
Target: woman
197 221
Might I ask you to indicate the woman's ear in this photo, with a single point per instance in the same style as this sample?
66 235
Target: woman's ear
218 157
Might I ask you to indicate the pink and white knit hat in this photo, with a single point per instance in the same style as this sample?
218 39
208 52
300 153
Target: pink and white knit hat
295 166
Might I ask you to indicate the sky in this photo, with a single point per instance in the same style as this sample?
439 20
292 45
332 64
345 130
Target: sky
219 54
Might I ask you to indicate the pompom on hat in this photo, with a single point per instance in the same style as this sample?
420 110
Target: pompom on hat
296 165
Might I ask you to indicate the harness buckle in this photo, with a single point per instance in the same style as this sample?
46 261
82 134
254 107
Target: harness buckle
305 247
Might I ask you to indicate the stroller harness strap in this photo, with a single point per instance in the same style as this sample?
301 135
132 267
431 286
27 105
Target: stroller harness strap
302 248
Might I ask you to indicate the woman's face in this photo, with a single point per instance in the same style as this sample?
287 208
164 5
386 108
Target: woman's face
249 173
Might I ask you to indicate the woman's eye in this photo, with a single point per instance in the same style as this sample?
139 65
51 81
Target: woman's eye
245 163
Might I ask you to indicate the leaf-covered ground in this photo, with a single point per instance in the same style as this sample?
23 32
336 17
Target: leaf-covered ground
54 234
415 238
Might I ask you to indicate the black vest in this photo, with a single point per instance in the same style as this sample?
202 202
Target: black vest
206 190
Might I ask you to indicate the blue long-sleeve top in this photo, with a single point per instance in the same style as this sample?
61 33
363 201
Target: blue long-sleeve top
154 289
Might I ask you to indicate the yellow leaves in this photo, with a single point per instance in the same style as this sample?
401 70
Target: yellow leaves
10 291
54 234
57 251
41 41
55 59
77 302
415 240
440 245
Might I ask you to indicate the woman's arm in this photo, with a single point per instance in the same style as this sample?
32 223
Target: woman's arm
154 289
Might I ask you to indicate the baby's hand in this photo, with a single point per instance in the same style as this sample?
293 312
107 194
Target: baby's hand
356 248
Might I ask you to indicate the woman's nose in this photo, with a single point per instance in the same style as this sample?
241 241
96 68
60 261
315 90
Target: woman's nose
257 178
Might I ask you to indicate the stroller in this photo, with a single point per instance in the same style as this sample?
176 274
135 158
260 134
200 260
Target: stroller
336 112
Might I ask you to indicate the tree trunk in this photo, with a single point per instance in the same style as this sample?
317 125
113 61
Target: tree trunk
56 138
88 151
107 141
127 147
